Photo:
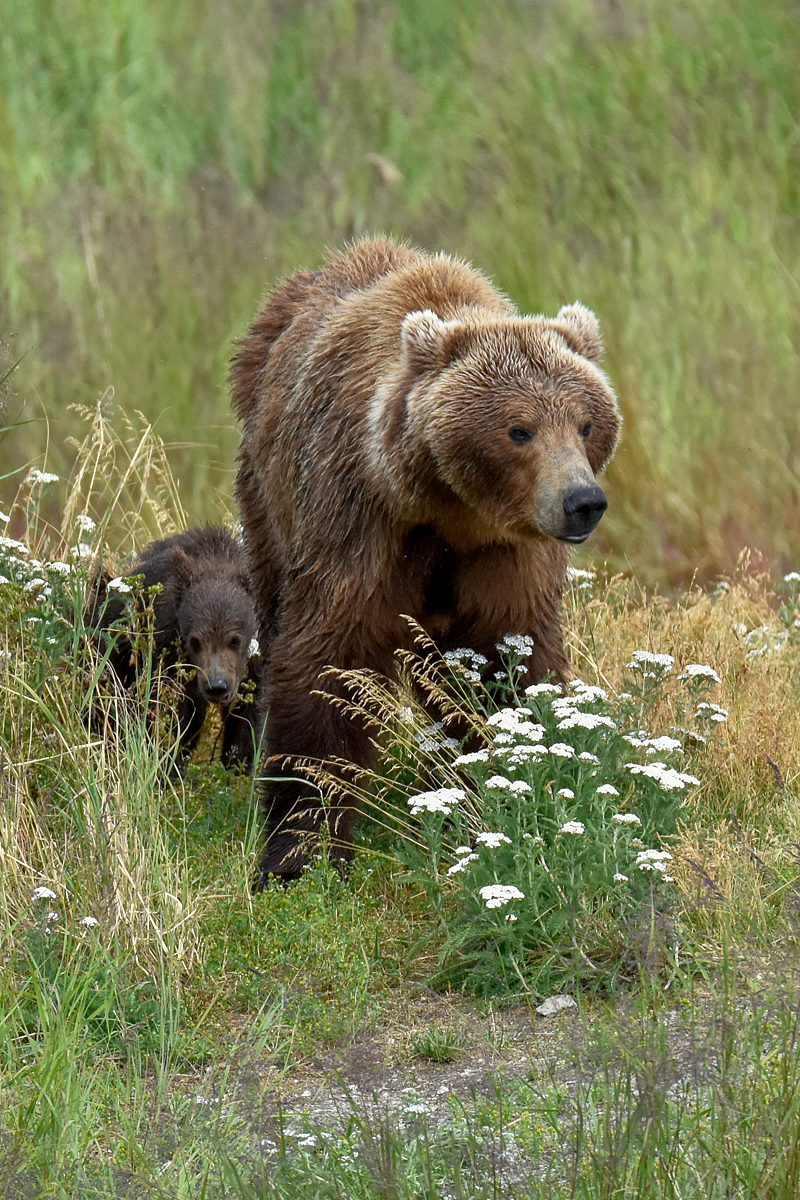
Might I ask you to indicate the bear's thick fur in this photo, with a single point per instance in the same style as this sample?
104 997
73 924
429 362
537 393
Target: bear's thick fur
411 445
203 626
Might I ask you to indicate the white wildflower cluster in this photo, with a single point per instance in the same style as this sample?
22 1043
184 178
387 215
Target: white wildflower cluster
13 546
493 840
654 860
626 819
542 689
659 664
607 789
581 580
61 568
44 893
666 777
81 550
565 794
467 662
576 828
516 643
442 800
792 577
699 671
497 895
119 585
463 863
712 712
474 756
656 745
517 786
85 523
35 476
569 710
518 723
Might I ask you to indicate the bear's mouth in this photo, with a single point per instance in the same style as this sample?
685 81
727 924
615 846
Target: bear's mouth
574 539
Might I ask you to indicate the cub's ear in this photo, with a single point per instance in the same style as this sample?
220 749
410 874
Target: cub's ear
580 327
429 343
181 566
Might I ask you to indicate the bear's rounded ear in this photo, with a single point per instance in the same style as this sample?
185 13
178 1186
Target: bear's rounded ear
428 342
580 327
181 565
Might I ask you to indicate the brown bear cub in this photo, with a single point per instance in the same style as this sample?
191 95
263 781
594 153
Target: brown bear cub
203 626
411 444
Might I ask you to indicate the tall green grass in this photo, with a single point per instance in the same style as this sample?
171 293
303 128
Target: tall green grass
160 166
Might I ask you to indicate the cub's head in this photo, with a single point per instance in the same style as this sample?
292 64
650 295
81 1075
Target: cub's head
216 622
515 415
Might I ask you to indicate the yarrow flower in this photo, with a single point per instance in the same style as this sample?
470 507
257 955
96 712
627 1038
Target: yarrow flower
581 720
574 827
516 643
118 585
662 745
666 777
85 523
792 577
713 711
37 476
496 895
566 793
626 819
642 658
493 840
7 543
88 922
620 878
561 750
61 568
44 893
462 864
700 671
653 860
440 801
607 789
474 756
542 689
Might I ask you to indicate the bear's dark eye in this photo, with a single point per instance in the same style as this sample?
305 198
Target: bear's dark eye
518 433
587 429
195 643
235 642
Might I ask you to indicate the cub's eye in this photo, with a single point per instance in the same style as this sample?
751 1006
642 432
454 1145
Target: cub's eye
518 433
587 429
195 643
235 642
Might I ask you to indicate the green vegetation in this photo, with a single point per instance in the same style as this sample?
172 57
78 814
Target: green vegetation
159 167
155 1011
164 1031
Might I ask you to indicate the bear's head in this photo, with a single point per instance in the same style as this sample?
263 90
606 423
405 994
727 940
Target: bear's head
216 623
515 416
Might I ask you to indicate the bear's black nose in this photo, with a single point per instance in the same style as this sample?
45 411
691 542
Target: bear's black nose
583 509
216 686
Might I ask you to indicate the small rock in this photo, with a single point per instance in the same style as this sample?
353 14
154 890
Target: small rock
555 1004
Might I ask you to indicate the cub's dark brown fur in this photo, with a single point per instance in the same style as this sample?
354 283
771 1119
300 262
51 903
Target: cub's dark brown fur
204 621
412 445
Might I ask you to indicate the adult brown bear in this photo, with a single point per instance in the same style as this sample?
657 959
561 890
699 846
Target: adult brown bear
411 445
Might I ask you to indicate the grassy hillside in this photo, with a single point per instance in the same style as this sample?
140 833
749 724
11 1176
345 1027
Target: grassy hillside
160 166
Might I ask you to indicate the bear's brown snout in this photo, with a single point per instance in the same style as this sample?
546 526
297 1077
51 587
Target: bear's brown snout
583 509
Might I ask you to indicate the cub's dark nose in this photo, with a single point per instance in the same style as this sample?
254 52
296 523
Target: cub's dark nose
216 687
583 509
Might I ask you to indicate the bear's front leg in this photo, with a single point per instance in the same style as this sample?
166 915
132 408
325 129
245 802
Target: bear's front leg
302 725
